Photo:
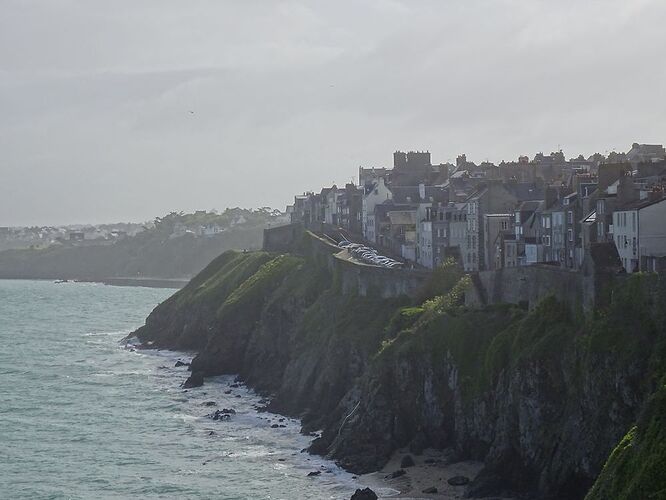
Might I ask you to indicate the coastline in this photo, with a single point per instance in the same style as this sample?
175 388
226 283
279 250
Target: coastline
431 469
173 283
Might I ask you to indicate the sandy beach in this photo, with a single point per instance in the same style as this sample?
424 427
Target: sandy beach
432 469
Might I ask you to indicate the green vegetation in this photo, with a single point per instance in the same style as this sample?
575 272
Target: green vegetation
637 466
247 298
239 294
221 278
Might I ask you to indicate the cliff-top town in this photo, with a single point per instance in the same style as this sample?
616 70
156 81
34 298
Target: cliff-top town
548 210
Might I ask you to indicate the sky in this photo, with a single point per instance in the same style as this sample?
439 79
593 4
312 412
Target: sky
128 109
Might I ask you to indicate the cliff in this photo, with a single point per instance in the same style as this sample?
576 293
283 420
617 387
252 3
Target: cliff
542 397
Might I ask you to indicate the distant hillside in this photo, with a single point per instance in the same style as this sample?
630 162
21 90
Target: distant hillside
178 246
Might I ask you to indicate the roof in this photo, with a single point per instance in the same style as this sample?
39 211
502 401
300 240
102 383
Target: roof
639 205
410 194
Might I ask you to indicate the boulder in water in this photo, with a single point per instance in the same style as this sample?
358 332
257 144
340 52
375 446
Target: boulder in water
180 363
364 494
194 380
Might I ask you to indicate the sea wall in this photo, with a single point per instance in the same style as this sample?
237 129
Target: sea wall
354 278
528 285
366 280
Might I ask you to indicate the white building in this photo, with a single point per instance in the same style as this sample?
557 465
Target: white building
639 233
375 193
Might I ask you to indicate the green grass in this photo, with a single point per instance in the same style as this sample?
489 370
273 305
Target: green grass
636 469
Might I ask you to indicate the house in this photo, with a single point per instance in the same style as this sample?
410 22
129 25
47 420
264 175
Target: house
403 232
492 197
495 228
209 230
427 197
374 193
645 153
349 208
449 231
640 233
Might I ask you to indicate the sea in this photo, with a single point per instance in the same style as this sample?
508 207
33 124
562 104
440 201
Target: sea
84 417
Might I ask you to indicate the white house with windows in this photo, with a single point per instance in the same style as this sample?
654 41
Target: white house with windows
639 233
375 193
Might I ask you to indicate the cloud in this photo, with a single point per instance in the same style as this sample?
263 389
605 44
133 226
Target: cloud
125 110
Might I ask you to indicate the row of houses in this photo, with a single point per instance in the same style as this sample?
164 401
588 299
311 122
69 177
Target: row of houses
546 210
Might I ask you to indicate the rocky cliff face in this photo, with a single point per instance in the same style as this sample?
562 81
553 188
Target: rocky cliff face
542 397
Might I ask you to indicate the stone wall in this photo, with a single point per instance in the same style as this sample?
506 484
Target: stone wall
353 277
367 280
282 239
527 285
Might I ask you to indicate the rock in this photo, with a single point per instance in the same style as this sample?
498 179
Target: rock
418 444
209 403
224 414
397 473
194 380
364 494
314 473
430 490
486 483
211 433
458 480
274 426
407 461
227 391
180 363
238 395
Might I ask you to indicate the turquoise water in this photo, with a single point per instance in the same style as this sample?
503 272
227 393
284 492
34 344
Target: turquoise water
82 417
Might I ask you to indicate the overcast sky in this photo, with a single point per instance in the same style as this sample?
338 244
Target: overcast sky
124 110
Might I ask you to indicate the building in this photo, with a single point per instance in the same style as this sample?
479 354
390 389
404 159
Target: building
375 192
645 153
639 233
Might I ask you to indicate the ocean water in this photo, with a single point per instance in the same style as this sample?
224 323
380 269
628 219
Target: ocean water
83 417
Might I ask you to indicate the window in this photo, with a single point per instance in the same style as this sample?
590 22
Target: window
633 245
624 219
570 234
441 216
546 240
570 217
633 221
601 206
505 225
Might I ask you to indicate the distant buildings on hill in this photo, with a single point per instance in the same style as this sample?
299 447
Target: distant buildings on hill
547 210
